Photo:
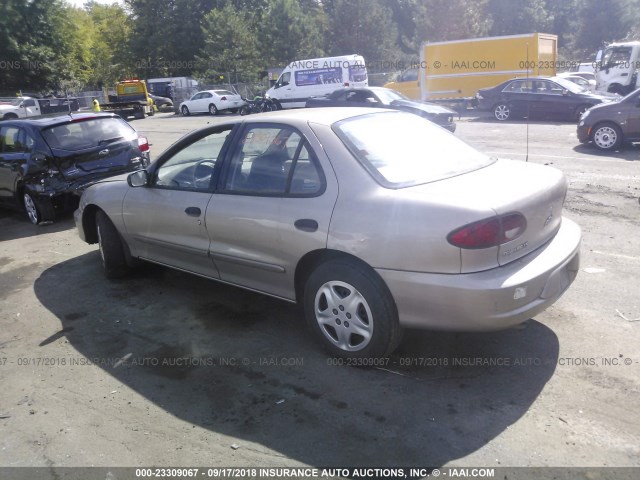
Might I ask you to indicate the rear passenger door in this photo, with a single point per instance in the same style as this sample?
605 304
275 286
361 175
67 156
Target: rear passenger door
272 206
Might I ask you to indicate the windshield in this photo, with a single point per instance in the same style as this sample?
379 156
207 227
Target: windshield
400 149
89 133
632 97
388 96
616 56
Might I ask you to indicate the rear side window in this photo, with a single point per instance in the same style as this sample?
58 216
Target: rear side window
90 133
14 140
273 161
401 149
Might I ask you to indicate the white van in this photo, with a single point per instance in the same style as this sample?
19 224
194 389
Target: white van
303 79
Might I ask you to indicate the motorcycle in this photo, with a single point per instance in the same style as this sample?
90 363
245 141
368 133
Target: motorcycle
257 105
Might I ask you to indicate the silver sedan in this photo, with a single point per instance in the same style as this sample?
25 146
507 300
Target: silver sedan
374 220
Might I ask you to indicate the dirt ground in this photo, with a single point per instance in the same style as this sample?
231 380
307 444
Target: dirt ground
169 369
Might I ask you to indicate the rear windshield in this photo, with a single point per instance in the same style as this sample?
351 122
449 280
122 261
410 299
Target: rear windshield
401 149
224 92
90 133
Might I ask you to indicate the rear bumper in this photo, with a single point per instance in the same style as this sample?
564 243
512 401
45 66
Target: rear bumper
492 299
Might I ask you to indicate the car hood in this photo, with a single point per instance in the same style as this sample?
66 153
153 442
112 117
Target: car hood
6 107
603 97
604 106
429 108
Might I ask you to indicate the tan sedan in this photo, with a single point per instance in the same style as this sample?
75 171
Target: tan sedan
374 220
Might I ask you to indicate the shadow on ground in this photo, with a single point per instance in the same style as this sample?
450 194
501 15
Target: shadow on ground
15 225
628 151
416 409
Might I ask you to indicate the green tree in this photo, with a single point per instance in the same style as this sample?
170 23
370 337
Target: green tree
33 47
230 46
602 21
288 32
365 27
512 17
111 57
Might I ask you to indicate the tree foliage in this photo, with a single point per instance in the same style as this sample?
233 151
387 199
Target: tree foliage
49 45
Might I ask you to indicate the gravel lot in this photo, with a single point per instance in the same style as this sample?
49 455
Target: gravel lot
169 369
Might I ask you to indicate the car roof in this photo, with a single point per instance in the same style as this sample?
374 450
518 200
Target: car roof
45 122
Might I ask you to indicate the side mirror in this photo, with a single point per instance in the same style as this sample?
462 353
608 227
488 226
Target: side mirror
565 92
138 179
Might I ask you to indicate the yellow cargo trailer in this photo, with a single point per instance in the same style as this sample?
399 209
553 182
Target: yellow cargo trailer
456 70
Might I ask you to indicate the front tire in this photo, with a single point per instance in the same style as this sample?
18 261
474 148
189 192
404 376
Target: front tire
213 110
185 111
350 310
502 112
114 263
607 136
39 211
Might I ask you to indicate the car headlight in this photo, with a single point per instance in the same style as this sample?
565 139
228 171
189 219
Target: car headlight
584 115
479 97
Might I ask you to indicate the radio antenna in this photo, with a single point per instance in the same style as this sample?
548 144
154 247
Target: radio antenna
526 158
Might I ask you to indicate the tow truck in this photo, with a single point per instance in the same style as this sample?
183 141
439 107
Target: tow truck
131 100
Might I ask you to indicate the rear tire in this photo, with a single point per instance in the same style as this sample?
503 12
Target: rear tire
607 136
39 210
114 263
502 112
350 310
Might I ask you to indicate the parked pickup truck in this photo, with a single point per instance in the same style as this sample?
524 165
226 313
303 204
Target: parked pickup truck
24 107
131 100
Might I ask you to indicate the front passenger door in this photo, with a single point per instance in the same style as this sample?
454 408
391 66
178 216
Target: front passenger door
166 220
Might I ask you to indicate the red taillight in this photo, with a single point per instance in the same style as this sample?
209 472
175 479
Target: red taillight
223 99
490 232
143 143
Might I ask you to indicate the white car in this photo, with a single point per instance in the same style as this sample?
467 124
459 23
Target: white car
586 80
212 101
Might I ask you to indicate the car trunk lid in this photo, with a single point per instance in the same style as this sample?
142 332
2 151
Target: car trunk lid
505 187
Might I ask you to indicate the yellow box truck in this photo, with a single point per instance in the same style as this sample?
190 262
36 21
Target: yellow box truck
455 70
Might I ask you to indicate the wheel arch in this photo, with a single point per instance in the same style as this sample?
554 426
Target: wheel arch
313 259
89 224
90 230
